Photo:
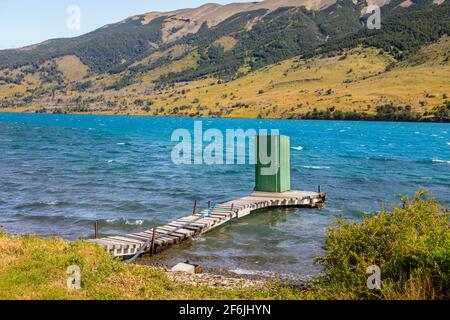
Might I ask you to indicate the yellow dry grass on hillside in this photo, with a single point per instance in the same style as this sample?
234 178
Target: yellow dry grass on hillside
356 81
72 68
174 52
226 42
12 89
176 66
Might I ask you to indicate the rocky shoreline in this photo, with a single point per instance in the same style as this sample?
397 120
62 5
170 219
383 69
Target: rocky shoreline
215 280
223 278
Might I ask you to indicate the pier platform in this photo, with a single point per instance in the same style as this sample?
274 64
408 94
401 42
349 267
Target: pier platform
163 237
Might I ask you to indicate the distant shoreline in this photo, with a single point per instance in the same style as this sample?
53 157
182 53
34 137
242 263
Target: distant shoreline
137 114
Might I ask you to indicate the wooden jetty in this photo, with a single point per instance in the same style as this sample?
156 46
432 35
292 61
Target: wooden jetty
160 238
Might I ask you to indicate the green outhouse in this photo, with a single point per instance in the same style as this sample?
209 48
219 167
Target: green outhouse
273 163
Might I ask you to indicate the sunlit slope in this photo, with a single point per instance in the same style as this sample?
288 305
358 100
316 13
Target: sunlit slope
358 81
72 68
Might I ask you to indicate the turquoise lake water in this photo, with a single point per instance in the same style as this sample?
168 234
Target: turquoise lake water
60 173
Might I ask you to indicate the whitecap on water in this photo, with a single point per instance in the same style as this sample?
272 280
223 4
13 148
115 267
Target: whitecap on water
316 167
110 161
299 148
43 203
125 221
120 143
441 161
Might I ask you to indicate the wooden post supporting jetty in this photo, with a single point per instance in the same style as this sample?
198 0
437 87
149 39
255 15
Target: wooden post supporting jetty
195 207
152 247
96 229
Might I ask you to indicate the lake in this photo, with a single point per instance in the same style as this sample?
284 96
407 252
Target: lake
60 173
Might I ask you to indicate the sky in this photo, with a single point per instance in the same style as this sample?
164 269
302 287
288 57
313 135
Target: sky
26 22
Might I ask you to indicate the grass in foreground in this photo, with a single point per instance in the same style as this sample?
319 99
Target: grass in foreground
411 245
35 268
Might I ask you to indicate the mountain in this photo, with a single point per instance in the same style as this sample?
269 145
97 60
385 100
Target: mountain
126 41
163 62
188 21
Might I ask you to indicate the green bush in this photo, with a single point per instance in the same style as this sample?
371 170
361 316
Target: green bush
410 244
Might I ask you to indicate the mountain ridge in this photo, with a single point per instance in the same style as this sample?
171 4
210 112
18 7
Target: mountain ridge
151 31
126 65
213 13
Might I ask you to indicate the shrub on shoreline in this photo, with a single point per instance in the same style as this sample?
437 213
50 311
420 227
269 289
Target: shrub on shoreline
410 244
